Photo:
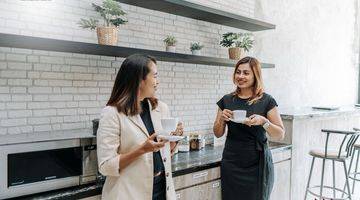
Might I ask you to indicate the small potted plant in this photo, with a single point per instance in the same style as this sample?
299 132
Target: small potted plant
237 44
245 41
170 42
195 48
111 13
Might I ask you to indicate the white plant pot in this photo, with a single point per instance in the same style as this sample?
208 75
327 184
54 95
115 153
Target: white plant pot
196 52
171 49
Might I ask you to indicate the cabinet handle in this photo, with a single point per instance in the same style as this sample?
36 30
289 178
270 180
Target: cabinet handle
178 196
217 184
199 175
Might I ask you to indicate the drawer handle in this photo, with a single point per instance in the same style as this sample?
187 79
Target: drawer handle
199 175
178 196
215 185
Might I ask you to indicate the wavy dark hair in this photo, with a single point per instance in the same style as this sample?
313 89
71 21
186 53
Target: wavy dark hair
124 95
258 87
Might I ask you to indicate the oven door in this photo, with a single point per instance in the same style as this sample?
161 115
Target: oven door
37 167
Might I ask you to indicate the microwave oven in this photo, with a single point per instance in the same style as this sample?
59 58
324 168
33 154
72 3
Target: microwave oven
28 168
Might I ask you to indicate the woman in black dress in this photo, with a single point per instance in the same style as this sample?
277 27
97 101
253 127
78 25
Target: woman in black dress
246 166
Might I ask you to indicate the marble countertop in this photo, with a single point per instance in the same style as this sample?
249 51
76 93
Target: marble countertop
182 163
309 112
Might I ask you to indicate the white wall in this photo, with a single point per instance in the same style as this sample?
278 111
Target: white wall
313 49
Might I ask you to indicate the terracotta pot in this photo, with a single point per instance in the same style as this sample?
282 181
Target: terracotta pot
236 53
107 35
171 49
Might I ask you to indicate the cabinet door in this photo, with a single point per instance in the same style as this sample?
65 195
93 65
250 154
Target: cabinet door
281 188
206 191
212 190
196 178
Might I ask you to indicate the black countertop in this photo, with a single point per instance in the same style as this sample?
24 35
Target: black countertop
182 163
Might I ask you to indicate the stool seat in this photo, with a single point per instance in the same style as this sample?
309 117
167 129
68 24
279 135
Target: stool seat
357 145
331 154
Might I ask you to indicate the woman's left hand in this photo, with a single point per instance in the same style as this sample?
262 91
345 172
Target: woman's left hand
255 120
179 129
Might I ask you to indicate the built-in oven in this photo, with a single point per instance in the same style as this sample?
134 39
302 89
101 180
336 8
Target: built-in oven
29 168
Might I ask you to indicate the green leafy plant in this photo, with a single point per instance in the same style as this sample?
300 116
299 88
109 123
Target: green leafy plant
228 39
196 46
111 13
242 40
170 40
245 41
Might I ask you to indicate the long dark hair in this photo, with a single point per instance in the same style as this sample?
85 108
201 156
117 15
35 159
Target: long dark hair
258 87
124 95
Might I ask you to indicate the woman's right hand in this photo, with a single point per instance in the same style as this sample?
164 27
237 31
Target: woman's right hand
226 115
152 146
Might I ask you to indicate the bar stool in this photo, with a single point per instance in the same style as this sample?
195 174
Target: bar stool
354 175
339 155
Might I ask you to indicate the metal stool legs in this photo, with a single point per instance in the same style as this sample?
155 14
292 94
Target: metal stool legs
345 191
347 180
308 183
353 175
356 168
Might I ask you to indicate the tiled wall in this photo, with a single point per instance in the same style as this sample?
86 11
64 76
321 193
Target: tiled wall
44 91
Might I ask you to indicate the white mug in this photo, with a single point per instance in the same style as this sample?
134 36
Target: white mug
239 115
169 124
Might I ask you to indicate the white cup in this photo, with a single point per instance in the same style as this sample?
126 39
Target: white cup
169 124
239 115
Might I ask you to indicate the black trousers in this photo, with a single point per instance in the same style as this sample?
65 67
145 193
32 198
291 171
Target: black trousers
159 188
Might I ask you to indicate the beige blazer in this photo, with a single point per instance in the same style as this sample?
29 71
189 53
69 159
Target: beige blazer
119 134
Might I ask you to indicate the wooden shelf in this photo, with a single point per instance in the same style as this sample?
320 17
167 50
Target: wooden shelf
200 12
28 42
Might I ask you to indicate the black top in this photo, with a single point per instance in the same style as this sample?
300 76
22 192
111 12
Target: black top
242 132
146 118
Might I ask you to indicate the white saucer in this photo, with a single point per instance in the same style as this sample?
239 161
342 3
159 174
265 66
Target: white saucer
171 138
237 121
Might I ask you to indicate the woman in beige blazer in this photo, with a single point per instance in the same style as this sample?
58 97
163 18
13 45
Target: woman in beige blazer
136 165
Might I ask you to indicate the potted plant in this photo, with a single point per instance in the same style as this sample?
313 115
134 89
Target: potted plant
111 13
170 42
245 41
237 44
195 48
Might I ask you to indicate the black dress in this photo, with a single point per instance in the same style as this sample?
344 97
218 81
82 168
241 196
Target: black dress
246 166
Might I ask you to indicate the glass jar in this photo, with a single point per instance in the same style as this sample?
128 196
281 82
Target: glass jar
184 145
196 142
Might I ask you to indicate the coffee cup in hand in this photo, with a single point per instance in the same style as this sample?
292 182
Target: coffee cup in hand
169 125
239 115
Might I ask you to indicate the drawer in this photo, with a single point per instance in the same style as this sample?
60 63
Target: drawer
281 155
196 178
206 191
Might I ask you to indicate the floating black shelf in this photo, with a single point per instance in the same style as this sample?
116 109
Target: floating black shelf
200 12
29 42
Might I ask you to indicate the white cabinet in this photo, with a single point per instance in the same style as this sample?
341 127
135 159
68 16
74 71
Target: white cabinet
206 191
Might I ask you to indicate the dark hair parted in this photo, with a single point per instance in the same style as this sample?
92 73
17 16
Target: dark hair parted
258 87
124 95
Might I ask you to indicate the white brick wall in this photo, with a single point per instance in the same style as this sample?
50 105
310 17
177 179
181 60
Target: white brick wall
42 90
